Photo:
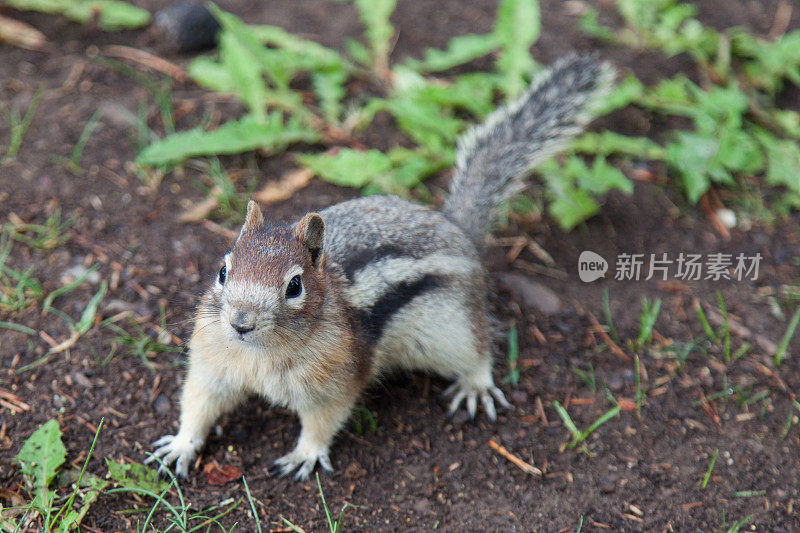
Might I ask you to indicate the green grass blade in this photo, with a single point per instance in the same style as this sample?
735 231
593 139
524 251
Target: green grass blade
48 302
780 353
77 151
567 420
252 504
87 318
17 327
707 477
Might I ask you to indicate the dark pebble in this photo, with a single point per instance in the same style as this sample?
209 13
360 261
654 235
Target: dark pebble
187 26
162 404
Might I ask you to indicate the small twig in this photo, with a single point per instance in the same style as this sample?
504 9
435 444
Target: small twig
711 212
146 59
284 188
540 410
202 209
606 339
14 400
219 230
783 16
522 465
21 34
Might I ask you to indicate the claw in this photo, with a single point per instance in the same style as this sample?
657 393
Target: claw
173 449
472 404
304 464
500 397
325 462
488 397
456 402
488 406
166 439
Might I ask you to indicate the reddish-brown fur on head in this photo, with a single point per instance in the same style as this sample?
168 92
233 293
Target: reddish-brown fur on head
261 263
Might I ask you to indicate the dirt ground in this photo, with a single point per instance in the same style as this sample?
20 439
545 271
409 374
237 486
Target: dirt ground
420 470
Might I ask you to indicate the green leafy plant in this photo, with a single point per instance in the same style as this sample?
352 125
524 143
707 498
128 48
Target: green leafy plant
18 289
18 124
139 344
739 132
579 436
110 15
262 65
138 479
647 321
52 234
41 459
364 421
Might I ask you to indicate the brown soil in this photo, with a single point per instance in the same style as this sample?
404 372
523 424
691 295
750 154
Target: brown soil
419 470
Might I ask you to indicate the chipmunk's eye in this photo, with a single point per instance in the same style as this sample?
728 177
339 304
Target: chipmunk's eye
223 274
295 287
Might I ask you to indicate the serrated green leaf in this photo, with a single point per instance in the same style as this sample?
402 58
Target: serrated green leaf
374 14
608 142
270 61
772 61
738 151
245 72
330 90
211 74
517 27
410 168
314 55
73 518
783 161
691 154
348 167
357 51
630 90
51 7
472 92
42 455
112 15
425 122
460 50
601 177
568 204
232 137
136 476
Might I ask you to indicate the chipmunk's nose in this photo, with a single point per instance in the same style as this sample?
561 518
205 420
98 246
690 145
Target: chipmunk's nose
243 322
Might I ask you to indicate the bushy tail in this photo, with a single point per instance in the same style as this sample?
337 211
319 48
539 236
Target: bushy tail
493 156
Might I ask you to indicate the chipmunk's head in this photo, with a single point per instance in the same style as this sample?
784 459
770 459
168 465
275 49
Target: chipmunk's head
271 288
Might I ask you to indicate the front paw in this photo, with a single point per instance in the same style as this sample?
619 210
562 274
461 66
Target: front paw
303 461
176 449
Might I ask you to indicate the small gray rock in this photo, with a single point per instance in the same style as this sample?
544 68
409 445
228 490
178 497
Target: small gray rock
533 294
162 404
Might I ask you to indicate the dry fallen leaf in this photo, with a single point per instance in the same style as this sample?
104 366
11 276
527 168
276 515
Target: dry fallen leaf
20 34
284 188
218 474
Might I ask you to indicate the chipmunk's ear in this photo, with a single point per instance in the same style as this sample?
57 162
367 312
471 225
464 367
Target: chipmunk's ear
311 232
254 219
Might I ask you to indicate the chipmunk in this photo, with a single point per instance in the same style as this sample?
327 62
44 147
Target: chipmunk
307 315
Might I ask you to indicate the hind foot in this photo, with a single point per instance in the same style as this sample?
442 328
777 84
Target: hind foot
465 391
